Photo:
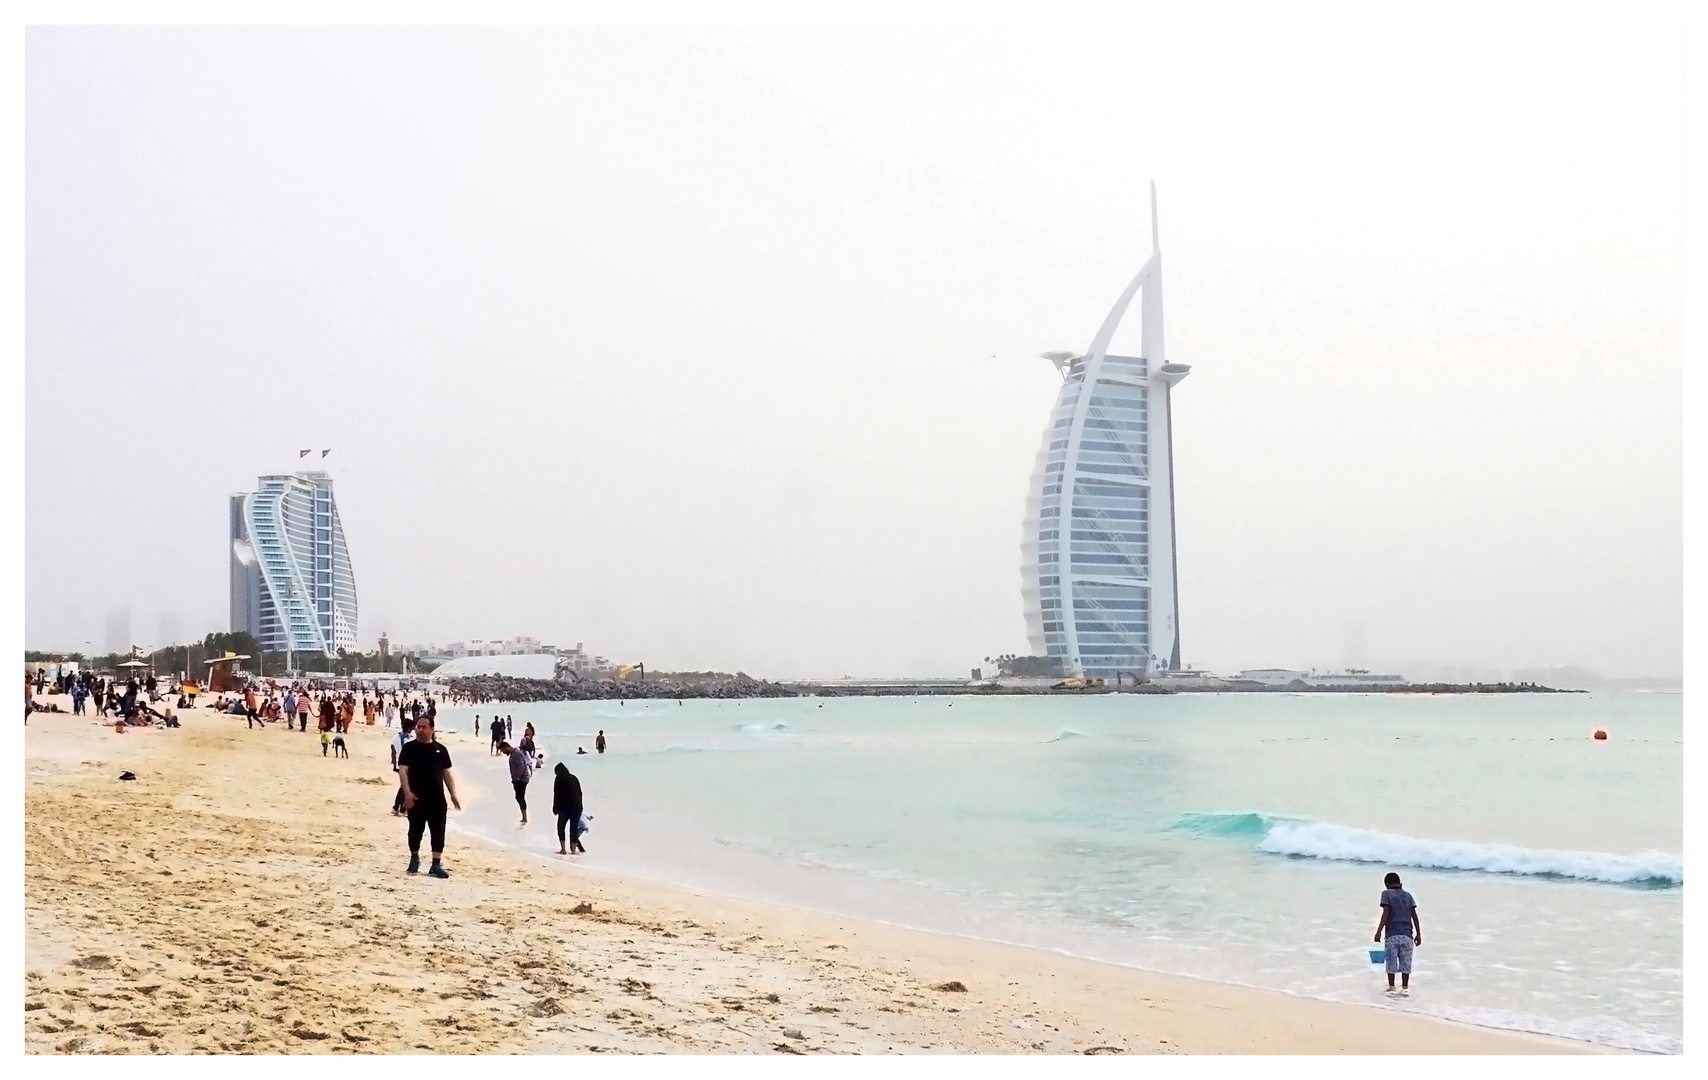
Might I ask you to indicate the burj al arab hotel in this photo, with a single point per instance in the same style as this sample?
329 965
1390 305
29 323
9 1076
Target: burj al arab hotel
1098 571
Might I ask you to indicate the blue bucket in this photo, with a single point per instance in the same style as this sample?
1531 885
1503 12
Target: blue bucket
1379 956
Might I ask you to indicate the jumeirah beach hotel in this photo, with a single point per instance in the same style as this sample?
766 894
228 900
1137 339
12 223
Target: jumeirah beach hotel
1098 570
291 582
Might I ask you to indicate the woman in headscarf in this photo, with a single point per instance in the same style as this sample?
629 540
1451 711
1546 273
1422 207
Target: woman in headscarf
566 804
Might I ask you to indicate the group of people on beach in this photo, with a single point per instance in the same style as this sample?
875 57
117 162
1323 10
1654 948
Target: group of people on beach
127 704
426 784
336 712
426 781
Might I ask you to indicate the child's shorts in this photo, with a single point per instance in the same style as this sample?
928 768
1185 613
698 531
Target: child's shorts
1399 955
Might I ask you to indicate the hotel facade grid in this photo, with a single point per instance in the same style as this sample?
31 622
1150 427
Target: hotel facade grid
292 586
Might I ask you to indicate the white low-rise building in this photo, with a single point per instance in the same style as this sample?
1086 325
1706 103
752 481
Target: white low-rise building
577 661
520 645
583 664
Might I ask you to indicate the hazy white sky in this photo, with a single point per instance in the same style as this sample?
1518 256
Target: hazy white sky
718 348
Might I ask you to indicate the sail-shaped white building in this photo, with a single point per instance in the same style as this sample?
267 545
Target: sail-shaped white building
1098 573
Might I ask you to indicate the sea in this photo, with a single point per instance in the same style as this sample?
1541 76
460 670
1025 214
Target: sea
1240 838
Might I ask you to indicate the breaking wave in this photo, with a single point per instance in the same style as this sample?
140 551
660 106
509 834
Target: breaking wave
1304 839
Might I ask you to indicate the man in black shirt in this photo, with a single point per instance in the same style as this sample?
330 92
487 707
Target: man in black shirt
424 774
497 732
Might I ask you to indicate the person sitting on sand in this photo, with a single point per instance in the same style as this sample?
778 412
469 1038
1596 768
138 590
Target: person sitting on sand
1399 920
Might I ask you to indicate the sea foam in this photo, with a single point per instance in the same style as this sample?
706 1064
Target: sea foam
1306 839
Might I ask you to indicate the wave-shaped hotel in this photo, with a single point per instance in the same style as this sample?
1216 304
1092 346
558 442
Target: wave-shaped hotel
291 582
1098 572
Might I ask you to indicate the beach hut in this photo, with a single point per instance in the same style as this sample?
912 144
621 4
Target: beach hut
224 673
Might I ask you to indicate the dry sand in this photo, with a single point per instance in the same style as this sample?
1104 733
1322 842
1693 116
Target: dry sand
247 895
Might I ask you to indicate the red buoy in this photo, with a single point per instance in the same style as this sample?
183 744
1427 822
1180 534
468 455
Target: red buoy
1600 734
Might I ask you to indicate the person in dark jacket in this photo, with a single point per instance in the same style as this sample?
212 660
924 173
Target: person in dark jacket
566 804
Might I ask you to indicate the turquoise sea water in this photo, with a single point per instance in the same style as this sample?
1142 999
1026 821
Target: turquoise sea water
1240 838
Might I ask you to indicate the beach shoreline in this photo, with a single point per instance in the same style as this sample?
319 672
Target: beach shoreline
246 895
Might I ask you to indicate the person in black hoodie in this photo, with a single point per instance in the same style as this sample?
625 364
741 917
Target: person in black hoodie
566 804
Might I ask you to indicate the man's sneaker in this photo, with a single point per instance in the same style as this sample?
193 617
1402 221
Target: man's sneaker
414 865
1405 992
438 871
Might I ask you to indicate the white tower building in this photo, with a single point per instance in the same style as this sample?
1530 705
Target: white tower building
1098 575
292 586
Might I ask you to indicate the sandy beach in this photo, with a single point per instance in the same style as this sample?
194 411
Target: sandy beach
246 895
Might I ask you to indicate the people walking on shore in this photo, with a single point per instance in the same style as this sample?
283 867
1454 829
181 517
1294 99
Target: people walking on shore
566 804
497 733
405 733
424 775
521 771
1400 930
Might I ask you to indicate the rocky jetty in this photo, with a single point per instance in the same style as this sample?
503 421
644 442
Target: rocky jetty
487 688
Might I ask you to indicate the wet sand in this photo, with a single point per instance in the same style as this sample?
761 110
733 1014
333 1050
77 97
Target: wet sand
247 895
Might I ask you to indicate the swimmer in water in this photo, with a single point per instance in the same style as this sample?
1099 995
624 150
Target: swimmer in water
581 750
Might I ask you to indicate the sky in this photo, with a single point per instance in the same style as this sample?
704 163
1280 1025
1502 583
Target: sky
718 347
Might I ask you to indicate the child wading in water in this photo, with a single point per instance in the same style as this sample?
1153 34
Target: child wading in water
1403 932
